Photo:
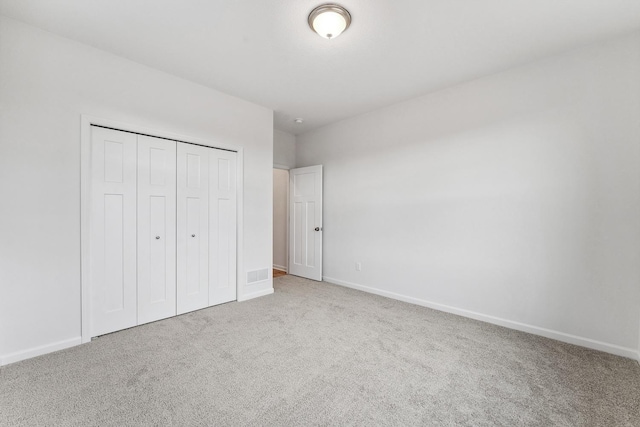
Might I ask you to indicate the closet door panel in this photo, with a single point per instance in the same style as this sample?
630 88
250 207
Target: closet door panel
193 227
222 224
156 229
112 231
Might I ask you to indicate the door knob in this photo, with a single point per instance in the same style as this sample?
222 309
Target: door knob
193 235
157 237
317 228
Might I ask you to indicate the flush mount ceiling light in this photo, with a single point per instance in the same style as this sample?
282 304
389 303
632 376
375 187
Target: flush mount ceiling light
329 20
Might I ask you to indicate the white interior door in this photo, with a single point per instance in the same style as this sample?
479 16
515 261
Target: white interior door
156 229
112 231
193 227
305 216
222 226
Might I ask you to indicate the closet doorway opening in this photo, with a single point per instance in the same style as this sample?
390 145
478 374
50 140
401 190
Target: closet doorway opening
280 222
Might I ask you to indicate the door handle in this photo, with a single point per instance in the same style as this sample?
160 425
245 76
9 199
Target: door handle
318 228
193 235
157 237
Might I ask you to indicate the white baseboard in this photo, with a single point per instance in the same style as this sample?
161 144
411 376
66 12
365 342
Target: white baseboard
548 333
257 294
38 351
280 267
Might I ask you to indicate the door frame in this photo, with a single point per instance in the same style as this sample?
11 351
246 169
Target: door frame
86 121
286 245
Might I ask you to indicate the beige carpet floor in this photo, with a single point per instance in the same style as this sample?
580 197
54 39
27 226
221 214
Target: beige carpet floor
318 354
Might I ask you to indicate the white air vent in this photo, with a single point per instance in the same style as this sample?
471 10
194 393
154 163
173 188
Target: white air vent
257 276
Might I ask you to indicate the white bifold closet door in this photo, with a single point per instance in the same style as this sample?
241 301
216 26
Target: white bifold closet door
162 229
206 227
222 226
113 231
193 227
156 229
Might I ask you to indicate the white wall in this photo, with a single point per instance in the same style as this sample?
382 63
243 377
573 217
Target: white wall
280 190
284 149
514 198
46 83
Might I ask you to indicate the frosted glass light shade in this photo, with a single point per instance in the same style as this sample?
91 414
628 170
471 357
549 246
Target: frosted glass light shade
329 20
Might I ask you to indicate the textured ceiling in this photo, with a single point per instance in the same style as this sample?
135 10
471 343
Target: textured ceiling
263 50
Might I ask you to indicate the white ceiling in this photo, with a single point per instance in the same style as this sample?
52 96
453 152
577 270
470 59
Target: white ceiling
263 50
